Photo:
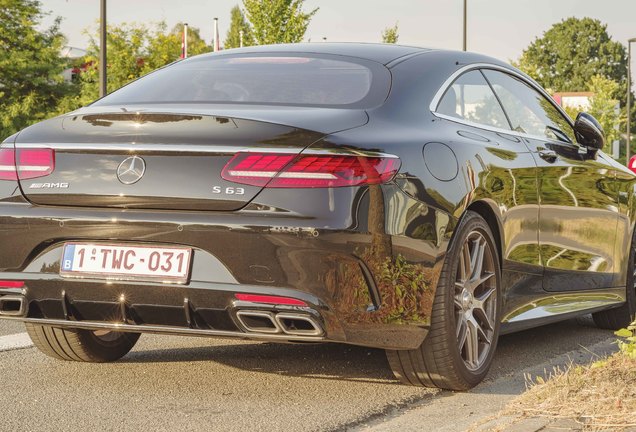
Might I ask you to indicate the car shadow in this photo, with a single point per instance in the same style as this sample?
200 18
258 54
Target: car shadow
317 361
516 352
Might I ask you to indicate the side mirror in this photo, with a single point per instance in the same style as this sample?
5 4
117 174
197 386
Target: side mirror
589 132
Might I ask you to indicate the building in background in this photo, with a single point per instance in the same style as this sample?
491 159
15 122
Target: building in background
577 100
74 58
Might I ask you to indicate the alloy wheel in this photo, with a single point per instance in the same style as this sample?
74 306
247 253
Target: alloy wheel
106 335
475 300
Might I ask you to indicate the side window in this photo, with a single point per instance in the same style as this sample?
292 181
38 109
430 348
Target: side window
528 110
471 98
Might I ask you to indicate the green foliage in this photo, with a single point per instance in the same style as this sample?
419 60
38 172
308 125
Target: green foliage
408 283
579 55
125 50
165 47
133 50
238 23
628 346
31 67
391 34
277 21
603 106
571 111
573 51
405 289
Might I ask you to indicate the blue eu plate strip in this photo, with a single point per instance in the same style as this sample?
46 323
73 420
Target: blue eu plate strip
67 260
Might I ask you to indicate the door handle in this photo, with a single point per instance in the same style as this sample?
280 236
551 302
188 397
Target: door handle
548 155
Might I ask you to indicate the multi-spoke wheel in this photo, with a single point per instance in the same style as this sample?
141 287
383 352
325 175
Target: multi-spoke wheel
475 300
459 348
624 315
81 345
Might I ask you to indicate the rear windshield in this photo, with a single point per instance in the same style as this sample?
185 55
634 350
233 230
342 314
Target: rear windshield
272 80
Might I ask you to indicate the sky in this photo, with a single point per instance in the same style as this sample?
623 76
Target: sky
499 28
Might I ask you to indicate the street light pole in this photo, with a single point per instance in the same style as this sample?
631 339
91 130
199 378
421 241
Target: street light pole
102 48
465 18
629 97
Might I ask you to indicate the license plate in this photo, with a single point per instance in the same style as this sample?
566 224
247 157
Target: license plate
122 262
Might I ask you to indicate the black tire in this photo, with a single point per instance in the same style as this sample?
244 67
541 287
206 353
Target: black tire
441 359
81 345
621 317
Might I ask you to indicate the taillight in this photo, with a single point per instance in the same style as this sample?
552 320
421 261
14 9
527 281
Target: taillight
8 170
279 170
11 284
267 299
26 163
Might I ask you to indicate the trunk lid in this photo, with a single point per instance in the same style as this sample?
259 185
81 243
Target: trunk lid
164 160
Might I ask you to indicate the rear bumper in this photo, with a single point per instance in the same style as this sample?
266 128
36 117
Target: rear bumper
124 315
175 331
361 287
201 309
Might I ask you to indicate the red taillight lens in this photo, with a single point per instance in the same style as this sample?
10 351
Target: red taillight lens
11 284
33 163
276 170
255 169
257 298
8 170
632 164
26 163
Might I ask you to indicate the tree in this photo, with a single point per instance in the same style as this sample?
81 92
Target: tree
603 107
277 21
390 35
31 66
238 23
570 53
133 51
164 47
125 47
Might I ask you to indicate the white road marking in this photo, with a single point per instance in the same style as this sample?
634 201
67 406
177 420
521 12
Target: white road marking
15 341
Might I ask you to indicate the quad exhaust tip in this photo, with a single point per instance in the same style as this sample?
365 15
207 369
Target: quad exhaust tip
259 322
11 305
275 323
298 324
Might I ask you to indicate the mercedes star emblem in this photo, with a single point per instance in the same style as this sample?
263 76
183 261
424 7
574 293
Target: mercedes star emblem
131 170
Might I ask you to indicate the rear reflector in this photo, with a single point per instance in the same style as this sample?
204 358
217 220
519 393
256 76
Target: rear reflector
276 170
257 298
26 163
11 284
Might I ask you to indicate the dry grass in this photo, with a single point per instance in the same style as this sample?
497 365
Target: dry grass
600 396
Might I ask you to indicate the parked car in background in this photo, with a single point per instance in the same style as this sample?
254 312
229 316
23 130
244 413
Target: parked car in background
420 201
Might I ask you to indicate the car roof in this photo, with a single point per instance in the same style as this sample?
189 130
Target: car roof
381 53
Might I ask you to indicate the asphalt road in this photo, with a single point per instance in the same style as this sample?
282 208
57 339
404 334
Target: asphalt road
171 383
10 327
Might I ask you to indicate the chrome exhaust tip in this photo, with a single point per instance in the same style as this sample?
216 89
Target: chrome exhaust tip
258 321
12 305
298 324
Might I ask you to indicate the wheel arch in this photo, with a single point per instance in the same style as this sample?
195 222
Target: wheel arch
485 210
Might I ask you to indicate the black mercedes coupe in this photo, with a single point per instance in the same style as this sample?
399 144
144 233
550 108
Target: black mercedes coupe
420 201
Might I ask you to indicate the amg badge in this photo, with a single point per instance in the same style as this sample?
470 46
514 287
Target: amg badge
48 186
